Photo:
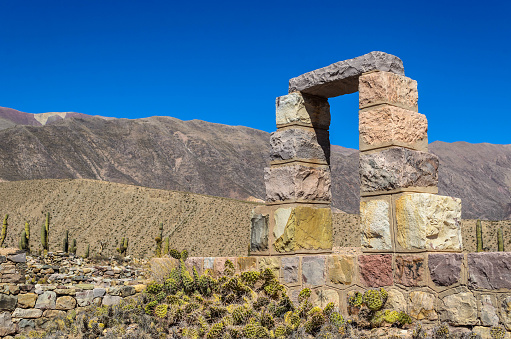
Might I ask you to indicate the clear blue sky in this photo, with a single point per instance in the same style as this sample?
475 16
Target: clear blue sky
226 62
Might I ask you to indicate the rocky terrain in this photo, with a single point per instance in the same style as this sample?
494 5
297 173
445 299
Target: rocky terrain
220 160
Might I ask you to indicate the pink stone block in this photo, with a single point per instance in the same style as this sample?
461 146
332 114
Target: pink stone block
376 270
387 88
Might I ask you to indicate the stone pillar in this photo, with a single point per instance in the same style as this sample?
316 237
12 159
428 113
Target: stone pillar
398 177
297 213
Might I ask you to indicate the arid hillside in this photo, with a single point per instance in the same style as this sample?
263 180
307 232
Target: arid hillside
201 157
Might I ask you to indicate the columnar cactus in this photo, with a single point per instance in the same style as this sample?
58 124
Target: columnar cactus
45 233
158 240
479 236
65 243
24 238
500 240
87 252
166 249
72 248
4 230
123 246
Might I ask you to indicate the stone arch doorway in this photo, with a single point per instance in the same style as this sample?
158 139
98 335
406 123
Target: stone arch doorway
397 175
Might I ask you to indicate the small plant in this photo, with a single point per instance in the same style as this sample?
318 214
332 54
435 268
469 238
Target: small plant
123 247
72 248
4 230
24 238
158 239
498 332
479 236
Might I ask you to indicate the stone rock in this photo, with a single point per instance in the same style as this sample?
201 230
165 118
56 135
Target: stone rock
505 311
302 109
489 316
490 270
65 291
18 257
247 264
409 270
99 292
125 291
313 270
297 182
384 126
290 269
397 168
375 224
342 77
281 216
273 263
109 300
54 314
6 325
396 300
322 297
307 228
459 309
300 144
387 88
341 269
428 221
422 305
28 313
445 268
85 286
259 232
8 302
27 300
376 270
65 303
84 298
25 324
47 300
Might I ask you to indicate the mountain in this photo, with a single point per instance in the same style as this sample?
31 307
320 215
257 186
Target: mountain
228 161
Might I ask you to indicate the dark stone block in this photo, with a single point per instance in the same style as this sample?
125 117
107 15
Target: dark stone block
490 270
8 302
445 269
259 233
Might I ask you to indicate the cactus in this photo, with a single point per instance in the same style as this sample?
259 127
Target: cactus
45 233
479 236
158 240
23 244
87 252
4 230
166 248
65 243
72 248
500 240
123 246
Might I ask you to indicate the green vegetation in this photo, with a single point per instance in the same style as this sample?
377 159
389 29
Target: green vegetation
500 240
158 239
24 238
479 236
4 230
45 234
65 244
123 246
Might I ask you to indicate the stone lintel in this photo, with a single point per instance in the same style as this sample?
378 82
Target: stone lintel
343 77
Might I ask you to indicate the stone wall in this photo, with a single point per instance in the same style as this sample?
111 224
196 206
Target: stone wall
67 284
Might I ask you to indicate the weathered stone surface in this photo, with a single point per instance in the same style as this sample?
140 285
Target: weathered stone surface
307 228
125 291
46 301
18 257
300 144
297 182
342 77
313 270
54 314
409 270
84 298
65 291
489 270
29 313
27 300
209 263
376 270
7 302
281 216
303 109
428 221
321 297
65 303
459 308
259 232
246 264
273 263
505 311
85 286
392 126
387 88
110 300
395 300
6 325
397 168
422 305
445 268
290 269
341 269
99 292
25 324
489 316
375 224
